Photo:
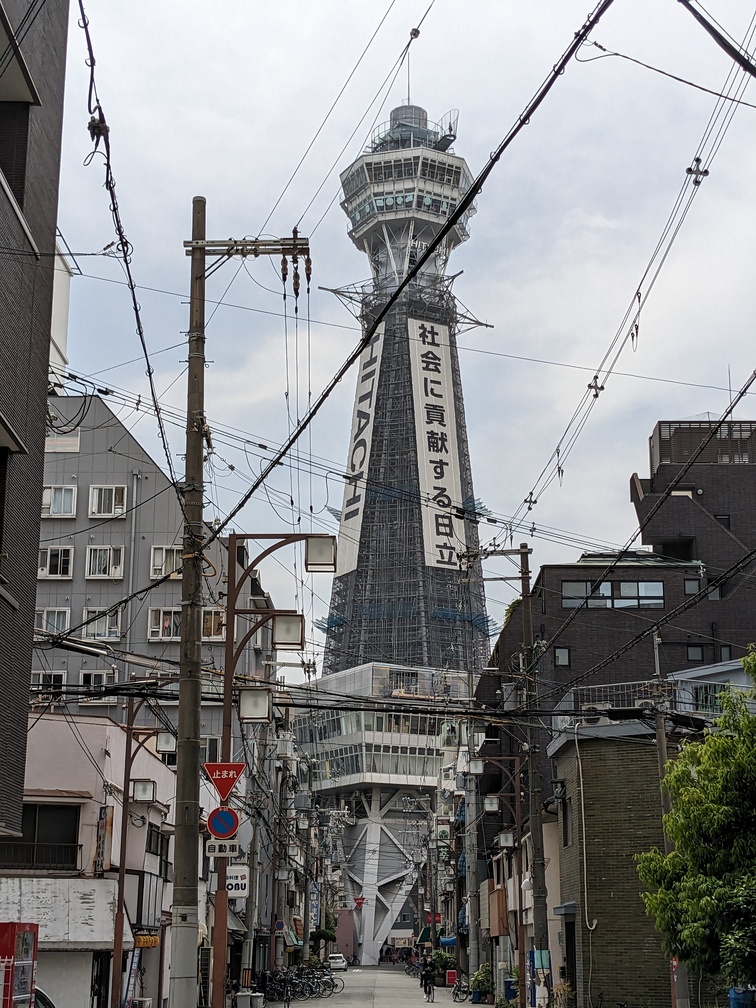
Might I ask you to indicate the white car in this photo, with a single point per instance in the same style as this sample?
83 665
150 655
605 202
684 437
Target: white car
336 961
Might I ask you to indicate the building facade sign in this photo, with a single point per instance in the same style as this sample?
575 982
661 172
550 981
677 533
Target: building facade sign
437 450
104 839
358 459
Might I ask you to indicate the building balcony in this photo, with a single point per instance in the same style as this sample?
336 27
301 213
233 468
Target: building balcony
21 855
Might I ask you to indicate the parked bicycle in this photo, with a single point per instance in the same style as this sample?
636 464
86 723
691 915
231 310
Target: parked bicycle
461 989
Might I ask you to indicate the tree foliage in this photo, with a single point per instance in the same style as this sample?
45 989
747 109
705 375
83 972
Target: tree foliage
702 895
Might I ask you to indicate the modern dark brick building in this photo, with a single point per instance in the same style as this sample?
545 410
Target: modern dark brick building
611 810
697 510
706 524
33 43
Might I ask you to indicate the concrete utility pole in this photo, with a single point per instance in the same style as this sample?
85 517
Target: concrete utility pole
535 786
182 990
471 841
185 925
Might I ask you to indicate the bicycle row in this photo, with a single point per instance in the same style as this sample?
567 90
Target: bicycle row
300 985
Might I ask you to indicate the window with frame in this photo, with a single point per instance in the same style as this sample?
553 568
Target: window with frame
725 652
55 442
166 560
164 624
49 839
107 501
692 586
52 620
714 594
56 562
695 652
404 679
104 561
46 681
213 624
152 845
210 749
706 697
562 657
59 502
613 594
106 625
567 831
96 679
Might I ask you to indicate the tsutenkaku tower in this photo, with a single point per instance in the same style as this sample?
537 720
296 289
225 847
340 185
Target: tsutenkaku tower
408 512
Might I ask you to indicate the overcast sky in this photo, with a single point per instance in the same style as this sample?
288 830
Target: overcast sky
222 99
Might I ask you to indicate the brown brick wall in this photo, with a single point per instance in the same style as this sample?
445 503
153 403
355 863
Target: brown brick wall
622 956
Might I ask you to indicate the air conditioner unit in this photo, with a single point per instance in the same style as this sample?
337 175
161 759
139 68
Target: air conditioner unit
645 703
141 1003
591 713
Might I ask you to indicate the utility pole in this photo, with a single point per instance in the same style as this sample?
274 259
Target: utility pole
471 840
182 990
535 785
466 560
185 924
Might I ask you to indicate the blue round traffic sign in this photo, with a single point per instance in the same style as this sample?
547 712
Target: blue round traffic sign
223 823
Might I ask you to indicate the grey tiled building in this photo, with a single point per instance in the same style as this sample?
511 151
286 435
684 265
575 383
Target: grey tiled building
111 530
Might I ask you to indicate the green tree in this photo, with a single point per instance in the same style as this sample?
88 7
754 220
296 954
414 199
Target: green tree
702 895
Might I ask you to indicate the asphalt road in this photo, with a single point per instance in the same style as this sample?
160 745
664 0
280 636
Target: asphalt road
382 987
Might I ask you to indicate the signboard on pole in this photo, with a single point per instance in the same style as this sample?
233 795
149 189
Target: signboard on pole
222 848
104 839
224 776
223 823
237 881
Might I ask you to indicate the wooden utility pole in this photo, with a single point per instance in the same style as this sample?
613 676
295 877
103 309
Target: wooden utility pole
535 785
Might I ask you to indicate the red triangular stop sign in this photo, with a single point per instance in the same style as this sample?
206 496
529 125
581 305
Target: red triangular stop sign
358 901
224 776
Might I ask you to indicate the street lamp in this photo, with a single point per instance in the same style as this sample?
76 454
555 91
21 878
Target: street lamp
288 634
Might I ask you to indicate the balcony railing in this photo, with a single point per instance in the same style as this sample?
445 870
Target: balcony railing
18 854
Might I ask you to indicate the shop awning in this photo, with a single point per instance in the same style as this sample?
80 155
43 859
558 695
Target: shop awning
425 936
293 941
449 942
235 924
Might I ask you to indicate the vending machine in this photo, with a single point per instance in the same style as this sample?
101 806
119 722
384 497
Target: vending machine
18 963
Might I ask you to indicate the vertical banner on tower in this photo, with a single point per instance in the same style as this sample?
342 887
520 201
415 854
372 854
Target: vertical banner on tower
359 454
437 452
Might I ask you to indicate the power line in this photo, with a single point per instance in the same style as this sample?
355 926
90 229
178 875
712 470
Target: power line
100 131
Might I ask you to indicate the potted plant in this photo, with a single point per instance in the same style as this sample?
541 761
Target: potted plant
481 983
442 961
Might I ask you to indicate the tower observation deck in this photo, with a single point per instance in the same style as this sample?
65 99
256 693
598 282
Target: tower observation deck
408 509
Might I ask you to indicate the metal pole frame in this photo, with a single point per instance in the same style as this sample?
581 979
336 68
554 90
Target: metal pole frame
234 651
116 982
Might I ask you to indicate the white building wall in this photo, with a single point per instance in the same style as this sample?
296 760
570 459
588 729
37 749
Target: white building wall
66 977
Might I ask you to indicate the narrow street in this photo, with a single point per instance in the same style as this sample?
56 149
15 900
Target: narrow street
381 987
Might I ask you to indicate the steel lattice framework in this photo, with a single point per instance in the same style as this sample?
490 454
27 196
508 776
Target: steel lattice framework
396 605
